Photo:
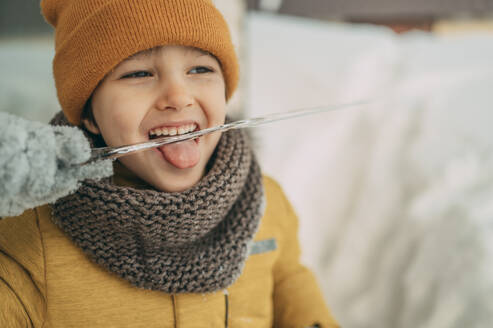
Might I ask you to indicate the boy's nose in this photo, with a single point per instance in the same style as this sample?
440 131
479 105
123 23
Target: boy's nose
174 96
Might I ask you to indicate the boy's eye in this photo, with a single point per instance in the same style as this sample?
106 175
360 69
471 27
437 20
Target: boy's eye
200 70
138 74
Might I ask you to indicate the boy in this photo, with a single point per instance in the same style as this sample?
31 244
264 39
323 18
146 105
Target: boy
187 235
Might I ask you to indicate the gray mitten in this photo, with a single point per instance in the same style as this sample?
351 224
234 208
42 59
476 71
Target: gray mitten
38 163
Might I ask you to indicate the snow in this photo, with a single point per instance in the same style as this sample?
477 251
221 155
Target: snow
27 87
394 198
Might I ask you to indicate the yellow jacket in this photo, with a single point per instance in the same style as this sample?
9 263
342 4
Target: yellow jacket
46 281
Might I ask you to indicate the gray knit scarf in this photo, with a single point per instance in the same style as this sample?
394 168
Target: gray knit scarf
192 241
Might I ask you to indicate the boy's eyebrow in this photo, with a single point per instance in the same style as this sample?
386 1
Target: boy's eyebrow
149 52
202 53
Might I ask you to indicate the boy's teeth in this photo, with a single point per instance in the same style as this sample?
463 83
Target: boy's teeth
172 130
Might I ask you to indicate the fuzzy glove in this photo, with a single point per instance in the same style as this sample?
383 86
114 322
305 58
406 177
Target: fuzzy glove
37 163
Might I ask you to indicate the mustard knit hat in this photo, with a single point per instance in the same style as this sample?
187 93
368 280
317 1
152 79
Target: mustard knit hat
93 36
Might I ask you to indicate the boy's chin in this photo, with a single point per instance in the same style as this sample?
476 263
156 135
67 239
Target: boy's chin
166 178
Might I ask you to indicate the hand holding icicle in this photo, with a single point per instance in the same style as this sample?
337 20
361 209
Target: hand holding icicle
37 163
40 163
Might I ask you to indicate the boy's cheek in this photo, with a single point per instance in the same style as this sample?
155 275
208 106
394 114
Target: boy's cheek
121 129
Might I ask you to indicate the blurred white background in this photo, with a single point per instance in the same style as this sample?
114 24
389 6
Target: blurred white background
394 198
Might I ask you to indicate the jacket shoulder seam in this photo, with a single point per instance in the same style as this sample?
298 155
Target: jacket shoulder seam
41 240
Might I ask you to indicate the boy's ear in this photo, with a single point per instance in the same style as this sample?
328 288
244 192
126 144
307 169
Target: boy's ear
90 126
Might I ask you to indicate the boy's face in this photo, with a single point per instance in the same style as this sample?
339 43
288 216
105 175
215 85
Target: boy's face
165 91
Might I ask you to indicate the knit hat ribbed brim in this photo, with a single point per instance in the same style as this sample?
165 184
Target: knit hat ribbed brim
93 36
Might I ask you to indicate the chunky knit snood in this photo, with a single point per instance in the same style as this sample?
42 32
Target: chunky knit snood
192 241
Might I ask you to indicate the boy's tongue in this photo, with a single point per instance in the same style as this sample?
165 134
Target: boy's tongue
183 154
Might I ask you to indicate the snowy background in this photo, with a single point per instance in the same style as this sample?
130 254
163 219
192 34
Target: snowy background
394 198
